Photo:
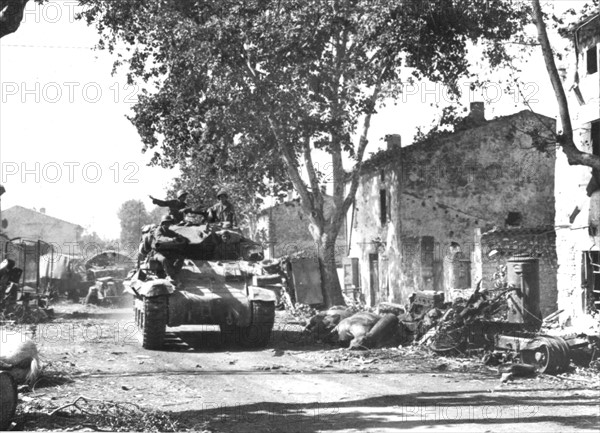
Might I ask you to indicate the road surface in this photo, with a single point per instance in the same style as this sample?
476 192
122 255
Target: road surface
294 385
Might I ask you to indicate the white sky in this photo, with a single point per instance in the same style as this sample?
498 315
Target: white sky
62 144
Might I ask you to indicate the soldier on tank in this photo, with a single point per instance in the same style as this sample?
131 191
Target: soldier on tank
176 207
223 210
171 262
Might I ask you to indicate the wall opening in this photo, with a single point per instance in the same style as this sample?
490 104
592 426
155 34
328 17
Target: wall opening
591 56
428 262
514 219
590 279
383 206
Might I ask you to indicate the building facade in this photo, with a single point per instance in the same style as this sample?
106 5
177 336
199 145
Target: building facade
417 207
283 231
578 187
32 225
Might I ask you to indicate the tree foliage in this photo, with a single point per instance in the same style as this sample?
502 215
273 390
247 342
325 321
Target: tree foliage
11 15
255 86
132 216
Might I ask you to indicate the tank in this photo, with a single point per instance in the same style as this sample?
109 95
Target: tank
221 281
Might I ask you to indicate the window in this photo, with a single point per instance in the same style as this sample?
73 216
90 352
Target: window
591 57
514 219
383 206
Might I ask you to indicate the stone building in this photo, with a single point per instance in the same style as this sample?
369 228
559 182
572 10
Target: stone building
578 187
33 225
417 207
283 230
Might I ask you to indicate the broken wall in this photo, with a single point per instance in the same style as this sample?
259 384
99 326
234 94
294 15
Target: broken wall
444 189
497 246
578 211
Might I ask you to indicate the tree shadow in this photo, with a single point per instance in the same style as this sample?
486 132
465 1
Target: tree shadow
211 339
396 412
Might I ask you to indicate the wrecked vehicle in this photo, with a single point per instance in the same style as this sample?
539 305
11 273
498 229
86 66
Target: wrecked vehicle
106 271
221 282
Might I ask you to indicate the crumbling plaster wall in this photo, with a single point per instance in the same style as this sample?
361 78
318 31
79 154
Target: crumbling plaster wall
541 246
572 238
462 181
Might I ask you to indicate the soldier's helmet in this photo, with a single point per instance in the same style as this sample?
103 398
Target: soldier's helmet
166 219
181 192
221 192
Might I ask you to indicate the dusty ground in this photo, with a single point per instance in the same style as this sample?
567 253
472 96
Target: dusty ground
201 383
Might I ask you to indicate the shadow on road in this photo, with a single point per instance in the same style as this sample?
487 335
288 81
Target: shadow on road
399 412
210 339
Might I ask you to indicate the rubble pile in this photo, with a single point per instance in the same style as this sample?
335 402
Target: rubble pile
476 325
25 313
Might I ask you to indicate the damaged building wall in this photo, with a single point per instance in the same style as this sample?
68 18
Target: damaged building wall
498 245
577 193
435 193
283 230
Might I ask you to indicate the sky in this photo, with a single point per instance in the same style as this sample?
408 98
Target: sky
67 146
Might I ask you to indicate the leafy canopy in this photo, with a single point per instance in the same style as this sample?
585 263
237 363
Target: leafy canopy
234 78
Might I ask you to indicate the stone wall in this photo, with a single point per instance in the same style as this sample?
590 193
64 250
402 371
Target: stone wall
497 246
444 189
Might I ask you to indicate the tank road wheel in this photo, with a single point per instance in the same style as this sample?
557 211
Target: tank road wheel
258 333
550 355
153 322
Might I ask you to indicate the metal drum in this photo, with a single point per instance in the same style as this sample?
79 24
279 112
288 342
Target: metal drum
524 306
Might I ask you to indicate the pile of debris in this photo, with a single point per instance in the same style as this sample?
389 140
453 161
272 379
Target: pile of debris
474 325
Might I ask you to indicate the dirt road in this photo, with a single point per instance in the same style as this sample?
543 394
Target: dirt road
295 385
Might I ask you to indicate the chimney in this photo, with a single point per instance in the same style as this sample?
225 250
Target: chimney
394 141
477 111
43 210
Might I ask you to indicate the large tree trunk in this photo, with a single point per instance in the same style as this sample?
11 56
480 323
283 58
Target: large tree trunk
330 283
11 14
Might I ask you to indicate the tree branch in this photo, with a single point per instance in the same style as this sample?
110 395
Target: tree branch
291 167
565 139
11 15
312 175
359 155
